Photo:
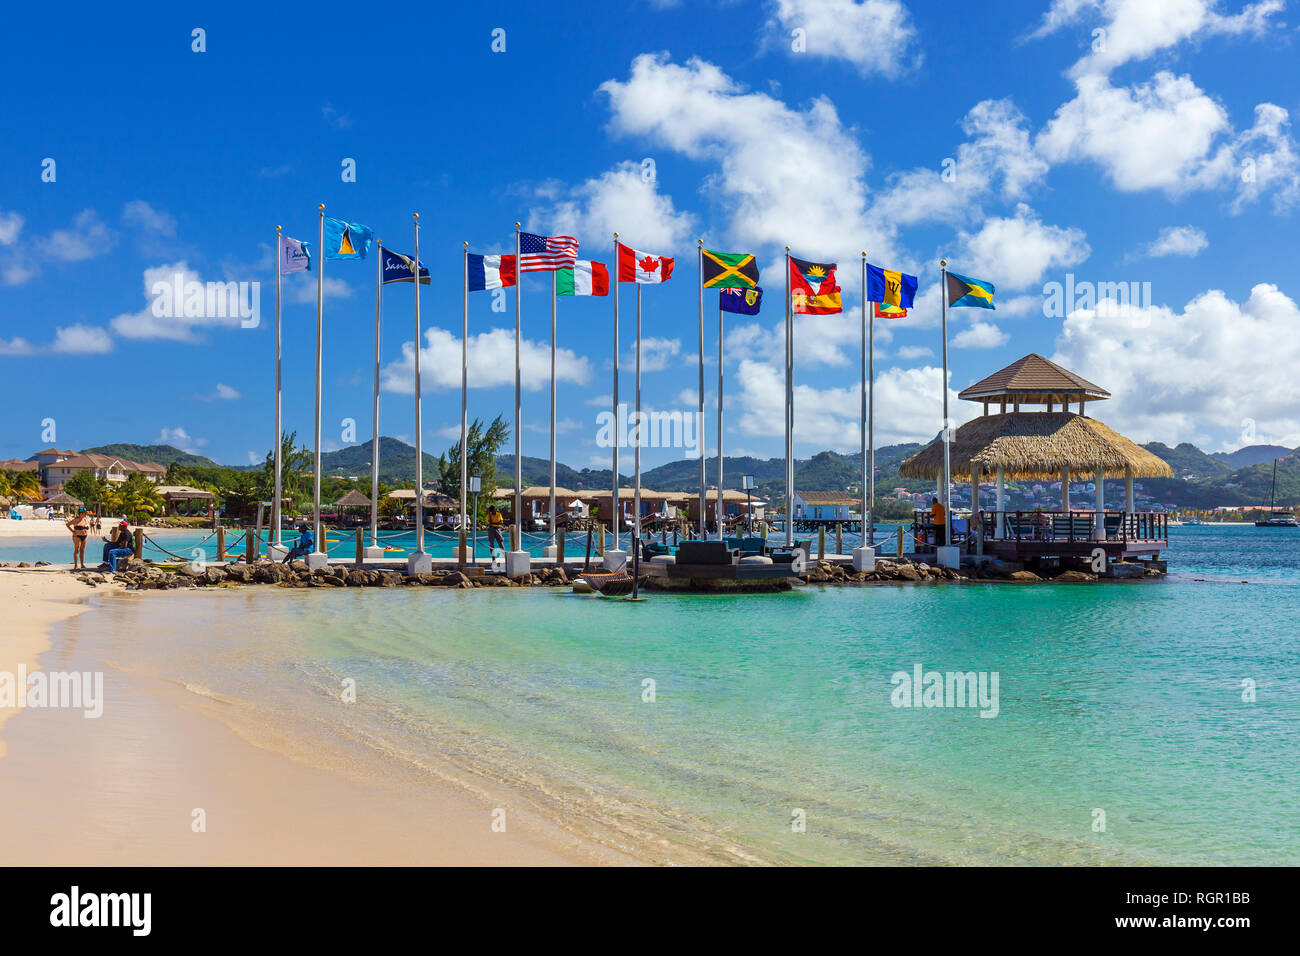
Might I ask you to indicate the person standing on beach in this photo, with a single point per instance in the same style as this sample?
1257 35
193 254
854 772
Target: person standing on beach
937 516
495 521
80 528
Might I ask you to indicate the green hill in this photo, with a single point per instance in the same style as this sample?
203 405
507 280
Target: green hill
1252 455
162 454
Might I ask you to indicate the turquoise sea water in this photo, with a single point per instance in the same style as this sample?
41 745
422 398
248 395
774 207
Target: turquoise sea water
1122 699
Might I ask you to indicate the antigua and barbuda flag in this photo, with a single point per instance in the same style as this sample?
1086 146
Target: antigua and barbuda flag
399 268
489 272
295 256
890 288
965 291
347 240
585 278
812 288
636 266
740 301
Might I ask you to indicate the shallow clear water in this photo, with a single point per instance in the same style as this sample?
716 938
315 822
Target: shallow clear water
1122 698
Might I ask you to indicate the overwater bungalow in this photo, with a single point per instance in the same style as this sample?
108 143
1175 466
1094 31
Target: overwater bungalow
1053 441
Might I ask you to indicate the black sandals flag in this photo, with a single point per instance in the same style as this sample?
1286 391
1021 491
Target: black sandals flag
729 270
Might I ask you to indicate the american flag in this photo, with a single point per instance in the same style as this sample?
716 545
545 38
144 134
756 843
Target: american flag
546 253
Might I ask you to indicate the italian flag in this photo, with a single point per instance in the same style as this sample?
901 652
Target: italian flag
585 278
636 266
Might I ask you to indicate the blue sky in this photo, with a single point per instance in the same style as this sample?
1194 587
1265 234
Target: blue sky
1021 144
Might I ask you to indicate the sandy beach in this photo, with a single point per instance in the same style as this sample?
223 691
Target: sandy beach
160 779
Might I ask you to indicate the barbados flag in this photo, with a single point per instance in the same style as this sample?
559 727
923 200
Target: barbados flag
965 291
890 288
346 240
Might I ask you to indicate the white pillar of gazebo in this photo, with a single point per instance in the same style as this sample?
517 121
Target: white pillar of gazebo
1065 490
1099 530
1128 489
1002 492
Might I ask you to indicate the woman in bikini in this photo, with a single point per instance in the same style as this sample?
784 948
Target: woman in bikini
80 528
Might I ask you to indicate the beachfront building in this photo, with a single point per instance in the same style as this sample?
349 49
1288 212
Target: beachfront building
824 506
1035 427
55 473
734 505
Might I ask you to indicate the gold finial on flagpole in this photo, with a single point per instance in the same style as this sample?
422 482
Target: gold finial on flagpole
465 244
277 228
699 242
516 225
615 235
943 263
416 215
787 248
321 206
864 254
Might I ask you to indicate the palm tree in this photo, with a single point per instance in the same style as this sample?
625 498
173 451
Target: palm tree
135 498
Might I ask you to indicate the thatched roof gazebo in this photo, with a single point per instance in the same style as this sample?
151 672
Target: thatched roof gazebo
1053 444
353 499
62 500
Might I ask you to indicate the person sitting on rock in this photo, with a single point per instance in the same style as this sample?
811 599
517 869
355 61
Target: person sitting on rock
305 545
119 545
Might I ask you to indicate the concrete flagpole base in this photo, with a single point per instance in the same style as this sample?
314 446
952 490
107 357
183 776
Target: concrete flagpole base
550 552
419 563
374 553
518 563
948 556
317 560
276 552
864 559
615 560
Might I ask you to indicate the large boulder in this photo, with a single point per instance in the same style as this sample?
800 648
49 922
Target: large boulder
1024 577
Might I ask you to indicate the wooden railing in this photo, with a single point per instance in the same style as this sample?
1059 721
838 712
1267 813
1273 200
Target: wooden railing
1076 526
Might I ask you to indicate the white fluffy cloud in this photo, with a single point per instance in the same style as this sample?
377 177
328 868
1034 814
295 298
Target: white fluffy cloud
1020 249
782 175
11 224
876 36
909 407
145 324
81 340
1136 29
657 354
998 158
491 363
86 238
624 198
1156 135
1197 375
178 438
1177 241
980 335
140 215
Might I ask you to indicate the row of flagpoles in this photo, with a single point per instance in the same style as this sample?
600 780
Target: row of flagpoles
811 289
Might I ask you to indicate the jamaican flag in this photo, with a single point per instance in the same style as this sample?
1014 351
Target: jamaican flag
729 270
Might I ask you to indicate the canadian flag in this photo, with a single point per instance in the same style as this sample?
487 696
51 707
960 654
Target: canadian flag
636 266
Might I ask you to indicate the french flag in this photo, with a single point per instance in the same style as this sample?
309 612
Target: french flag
491 272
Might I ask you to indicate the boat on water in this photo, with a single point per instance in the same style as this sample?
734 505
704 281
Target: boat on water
1276 519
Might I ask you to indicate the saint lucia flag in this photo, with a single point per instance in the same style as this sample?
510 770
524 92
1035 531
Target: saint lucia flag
965 291
346 240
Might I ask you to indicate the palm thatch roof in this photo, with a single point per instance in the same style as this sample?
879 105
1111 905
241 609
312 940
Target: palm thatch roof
1036 445
62 498
353 499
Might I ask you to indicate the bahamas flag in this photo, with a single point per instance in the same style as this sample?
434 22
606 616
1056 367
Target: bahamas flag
890 288
346 240
965 291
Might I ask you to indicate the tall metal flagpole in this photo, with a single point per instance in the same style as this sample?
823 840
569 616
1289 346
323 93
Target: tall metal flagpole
374 434
275 505
947 432
704 513
464 404
636 488
320 295
552 504
871 412
419 422
789 409
721 510
618 427
519 473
